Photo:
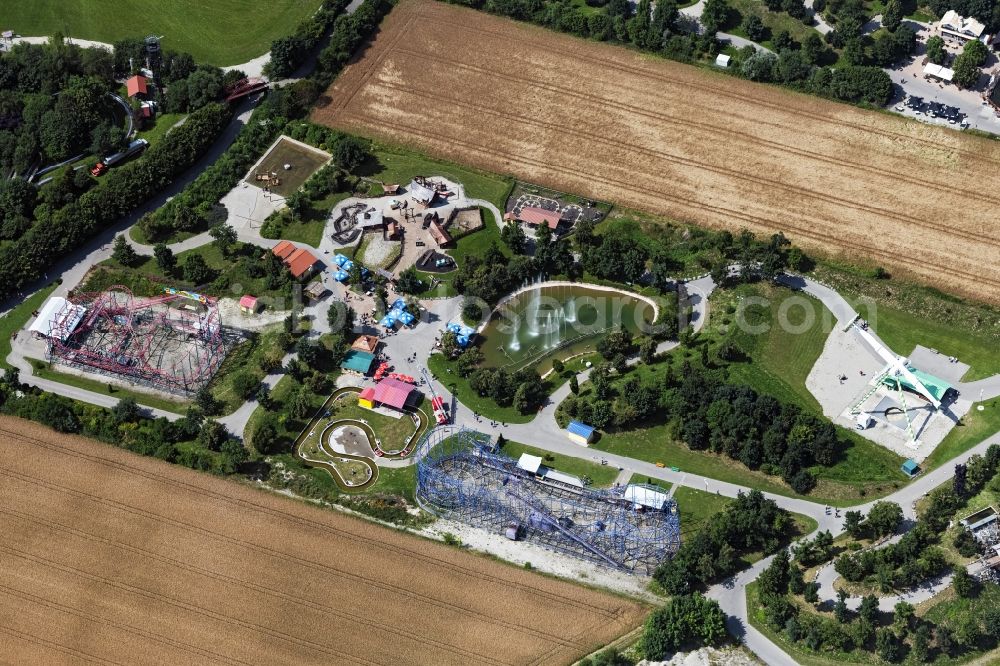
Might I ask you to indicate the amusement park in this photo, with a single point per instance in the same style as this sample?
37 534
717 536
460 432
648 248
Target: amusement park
172 343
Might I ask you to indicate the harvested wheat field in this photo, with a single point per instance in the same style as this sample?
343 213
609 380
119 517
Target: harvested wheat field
113 558
676 140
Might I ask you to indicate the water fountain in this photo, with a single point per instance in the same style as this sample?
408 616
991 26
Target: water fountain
515 341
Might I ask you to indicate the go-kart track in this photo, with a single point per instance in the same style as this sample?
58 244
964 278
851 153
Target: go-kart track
679 141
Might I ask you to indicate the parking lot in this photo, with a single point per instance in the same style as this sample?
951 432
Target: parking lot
909 82
951 115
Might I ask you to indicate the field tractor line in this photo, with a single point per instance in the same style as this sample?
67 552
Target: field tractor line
302 562
375 63
89 616
708 128
624 186
184 605
722 92
360 619
357 536
796 190
53 645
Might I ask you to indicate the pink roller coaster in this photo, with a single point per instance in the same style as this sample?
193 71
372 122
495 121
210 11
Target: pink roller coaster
172 342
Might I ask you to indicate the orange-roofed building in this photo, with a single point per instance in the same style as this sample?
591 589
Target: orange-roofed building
283 249
366 343
536 216
300 262
136 86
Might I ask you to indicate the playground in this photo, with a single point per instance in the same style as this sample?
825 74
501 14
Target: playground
285 166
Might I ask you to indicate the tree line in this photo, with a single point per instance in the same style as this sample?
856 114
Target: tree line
905 564
709 414
660 29
750 523
58 232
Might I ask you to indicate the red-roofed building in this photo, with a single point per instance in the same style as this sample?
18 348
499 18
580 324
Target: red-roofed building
283 249
136 86
300 262
440 236
248 304
392 393
536 216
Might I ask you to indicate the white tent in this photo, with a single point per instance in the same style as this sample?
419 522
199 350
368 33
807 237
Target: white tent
530 463
647 497
421 193
58 317
937 71
722 60
568 479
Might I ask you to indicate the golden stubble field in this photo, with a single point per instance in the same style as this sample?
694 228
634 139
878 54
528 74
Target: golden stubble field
112 558
676 140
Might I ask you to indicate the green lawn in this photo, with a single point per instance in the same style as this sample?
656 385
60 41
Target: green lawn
161 125
902 331
446 372
97 386
391 432
946 609
17 317
783 356
698 507
973 428
393 164
774 21
601 476
474 245
220 32
245 358
870 470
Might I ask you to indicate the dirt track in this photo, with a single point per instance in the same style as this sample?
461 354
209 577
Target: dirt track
113 558
680 141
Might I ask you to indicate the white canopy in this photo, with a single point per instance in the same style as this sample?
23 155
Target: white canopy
647 497
530 463
938 71
722 60
568 479
58 317
421 193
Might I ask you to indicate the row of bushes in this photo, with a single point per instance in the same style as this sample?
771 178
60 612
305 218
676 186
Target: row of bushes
288 53
750 523
123 189
195 207
124 426
662 31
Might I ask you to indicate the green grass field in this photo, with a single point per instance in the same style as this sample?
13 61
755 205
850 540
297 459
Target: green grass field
903 331
163 124
220 32
797 328
946 609
17 317
774 21
866 471
974 428
601 476
446 372
393 164
98 386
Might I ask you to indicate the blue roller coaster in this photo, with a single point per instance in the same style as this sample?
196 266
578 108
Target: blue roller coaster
460 477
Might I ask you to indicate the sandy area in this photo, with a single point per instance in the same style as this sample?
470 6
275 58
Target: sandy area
115 558
612 124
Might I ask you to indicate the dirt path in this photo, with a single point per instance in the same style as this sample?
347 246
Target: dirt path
673 139
116 558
